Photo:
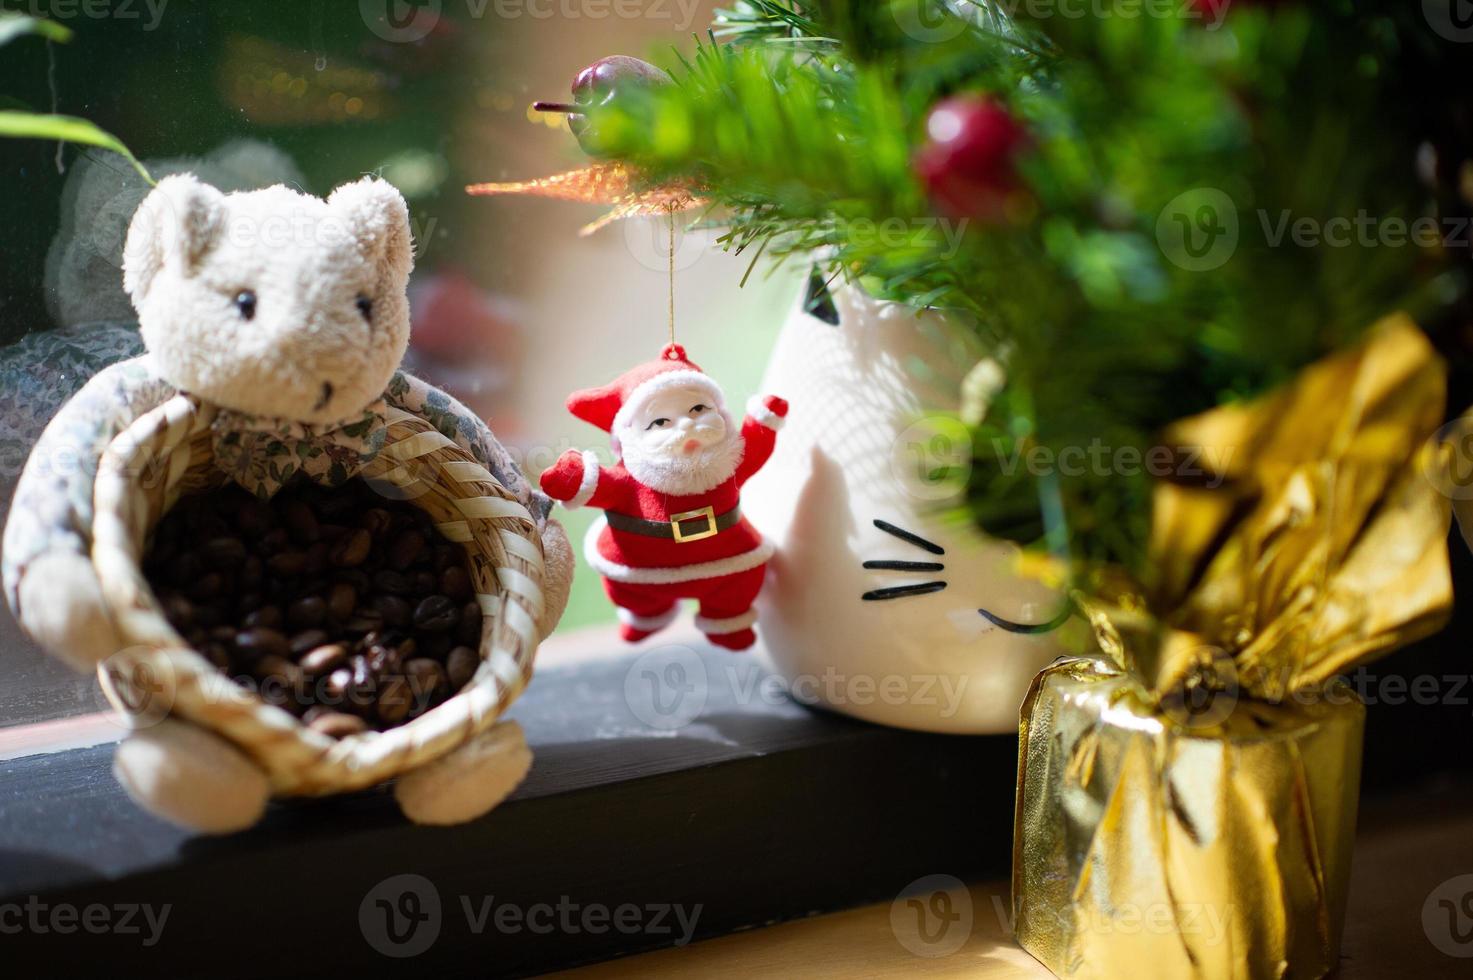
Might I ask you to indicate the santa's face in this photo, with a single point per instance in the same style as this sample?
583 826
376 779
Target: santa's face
680 441
677 422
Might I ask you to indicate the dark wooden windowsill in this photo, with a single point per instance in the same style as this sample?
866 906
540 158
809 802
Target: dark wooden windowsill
759 811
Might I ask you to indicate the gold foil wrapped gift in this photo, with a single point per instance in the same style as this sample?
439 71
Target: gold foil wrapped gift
1186 803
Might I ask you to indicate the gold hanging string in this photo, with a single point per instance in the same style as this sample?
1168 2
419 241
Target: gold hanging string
670 216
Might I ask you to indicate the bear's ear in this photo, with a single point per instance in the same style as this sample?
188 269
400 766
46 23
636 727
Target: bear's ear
378 219
176 225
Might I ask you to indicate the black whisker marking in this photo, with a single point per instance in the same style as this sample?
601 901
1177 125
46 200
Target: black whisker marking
902 591
904 566
910 536
1012 627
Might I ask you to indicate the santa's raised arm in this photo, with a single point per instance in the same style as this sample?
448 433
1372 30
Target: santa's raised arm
673 527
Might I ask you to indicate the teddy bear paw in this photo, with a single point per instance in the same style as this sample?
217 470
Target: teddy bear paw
468 781
192 778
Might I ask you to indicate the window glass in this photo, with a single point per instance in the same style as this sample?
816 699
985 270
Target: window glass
511 308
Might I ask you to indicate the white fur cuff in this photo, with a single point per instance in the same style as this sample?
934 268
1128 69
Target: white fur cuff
647 623
590 481
763 415
718 627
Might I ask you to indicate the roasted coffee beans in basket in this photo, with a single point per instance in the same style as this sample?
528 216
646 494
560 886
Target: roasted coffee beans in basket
347 609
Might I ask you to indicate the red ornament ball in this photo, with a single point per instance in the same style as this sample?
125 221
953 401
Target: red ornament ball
969 161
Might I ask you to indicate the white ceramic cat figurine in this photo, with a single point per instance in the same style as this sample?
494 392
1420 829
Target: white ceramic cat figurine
875 605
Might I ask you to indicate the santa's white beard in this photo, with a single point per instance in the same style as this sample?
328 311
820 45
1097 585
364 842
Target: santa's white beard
682 475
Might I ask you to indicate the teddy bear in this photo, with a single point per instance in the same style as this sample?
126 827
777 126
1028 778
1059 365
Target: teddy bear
281 320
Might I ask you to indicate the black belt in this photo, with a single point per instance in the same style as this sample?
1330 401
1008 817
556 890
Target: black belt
680 527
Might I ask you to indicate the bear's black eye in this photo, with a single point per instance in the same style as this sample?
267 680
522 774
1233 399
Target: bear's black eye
245 302
365 306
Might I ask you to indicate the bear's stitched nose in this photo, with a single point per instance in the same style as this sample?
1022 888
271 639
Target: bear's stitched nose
326 397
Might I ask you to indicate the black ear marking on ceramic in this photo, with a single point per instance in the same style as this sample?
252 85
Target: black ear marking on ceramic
818 302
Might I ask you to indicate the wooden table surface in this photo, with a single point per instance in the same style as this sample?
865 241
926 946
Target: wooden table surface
1406 848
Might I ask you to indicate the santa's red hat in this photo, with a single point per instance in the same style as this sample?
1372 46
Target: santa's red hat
608 406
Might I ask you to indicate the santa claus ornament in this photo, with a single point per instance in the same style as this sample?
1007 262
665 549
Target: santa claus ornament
673 527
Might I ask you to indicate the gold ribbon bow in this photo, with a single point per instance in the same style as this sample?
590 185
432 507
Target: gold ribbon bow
1313 540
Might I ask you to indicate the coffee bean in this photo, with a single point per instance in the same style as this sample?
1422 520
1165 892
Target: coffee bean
437 614
341 598
394 610
273 541
216 654
461 666
268 616
357 594
337 724
446 555
324 659
288 563
456 583
339 686
426 678
209 614
383 655
376 521
307 612
253 517
351 549
406 549
317 558
279 668
308 640
468 631
261 642
392 582
300 520
335 507
224 552
365 620
394 700
178 610
331 532
205 586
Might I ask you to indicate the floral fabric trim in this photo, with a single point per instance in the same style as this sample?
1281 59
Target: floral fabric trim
52 506
262 455
463 427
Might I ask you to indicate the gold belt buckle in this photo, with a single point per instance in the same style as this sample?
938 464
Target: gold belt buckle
709 513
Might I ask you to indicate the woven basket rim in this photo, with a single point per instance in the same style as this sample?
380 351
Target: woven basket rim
296 757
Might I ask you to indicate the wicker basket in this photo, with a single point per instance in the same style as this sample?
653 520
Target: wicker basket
165 454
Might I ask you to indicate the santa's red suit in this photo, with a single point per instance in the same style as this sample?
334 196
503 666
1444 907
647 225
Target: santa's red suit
654 548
